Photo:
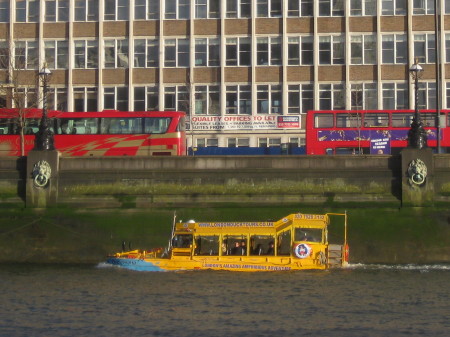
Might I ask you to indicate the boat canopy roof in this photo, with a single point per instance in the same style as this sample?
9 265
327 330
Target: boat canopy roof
319 221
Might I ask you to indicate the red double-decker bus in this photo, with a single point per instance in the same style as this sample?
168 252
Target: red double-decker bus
351 132
105 133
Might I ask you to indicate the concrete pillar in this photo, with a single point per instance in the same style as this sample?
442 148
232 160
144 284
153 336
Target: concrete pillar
42 178
417 177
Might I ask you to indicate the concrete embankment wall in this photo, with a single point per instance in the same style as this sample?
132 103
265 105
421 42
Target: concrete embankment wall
153 181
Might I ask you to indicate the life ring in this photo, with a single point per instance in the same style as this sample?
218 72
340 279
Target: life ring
302 250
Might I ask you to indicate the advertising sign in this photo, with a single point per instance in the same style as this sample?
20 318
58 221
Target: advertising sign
380 146
243 122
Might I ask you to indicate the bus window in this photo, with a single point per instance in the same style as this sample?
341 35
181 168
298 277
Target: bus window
402 120
376 119
261 245
115 126
5 126
308 234
348 120
182 241
429 119
77 126
32 126
207 245
157 124
284 243
323 121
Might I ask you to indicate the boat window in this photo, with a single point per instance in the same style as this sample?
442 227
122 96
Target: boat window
308 234
262 245
207 245
182 241
234 245
284 243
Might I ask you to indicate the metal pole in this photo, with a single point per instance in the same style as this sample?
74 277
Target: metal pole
437 40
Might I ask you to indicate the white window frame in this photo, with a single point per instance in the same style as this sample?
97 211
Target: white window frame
301 93
85 51
88 8
364 96
58 50
207 52
86 94
368 46
180 98
331 8
151 93
363 8
237 42
203 101
299 42
116 10
207 9
392 93
122 104
243 94
4 10
181 46
30 8
300 8
336 92
28 47
394 7
336 45
423 7
151 59
429 47
399 46
120 56
146 10
60 10
269 93
180 9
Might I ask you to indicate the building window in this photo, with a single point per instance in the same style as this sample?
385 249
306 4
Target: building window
25 98
146 10
424 48
423 7
394 49
207 142
331 49
238 8
4 10
238 100
146 53
331 96
331 7
177 9
207 100
27 10
427 95
177 98
300 8
364 96
395 96
146 98
26 55
447 91
176 53
85 99
300 50
268 8
238 142
85 54
363 49
56 10
116 54
363 8
269 99
57 54
207 52
300 98
57 99
393 7
207 9
115 98
5 55
116 10
86 10
238 51
447 47
269 142
269 51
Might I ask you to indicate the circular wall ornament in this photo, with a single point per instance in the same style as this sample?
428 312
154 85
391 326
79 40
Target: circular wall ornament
41 173
417 172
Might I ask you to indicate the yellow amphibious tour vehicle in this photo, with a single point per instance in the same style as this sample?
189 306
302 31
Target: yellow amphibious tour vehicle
295 242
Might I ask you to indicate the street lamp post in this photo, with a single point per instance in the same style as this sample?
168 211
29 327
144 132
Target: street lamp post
44 137
417 136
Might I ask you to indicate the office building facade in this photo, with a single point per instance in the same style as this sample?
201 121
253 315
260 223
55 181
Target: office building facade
246 72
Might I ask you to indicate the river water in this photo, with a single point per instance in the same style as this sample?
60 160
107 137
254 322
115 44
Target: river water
363 300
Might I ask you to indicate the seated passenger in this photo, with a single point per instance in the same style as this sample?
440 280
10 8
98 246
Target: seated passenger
271 250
